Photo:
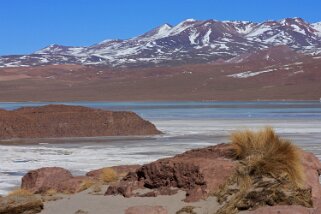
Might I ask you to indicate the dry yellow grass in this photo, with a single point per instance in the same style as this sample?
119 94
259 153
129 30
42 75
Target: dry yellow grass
51 192
86 184
269 172
96 188
186 210
20 192
264 153
108 175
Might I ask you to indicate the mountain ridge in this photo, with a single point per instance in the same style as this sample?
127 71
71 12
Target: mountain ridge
190 41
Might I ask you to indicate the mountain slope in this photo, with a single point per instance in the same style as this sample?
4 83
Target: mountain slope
191 41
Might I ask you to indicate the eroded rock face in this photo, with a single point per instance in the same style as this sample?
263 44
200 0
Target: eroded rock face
52 178
200 172
71 121
312 171
20 205
146 210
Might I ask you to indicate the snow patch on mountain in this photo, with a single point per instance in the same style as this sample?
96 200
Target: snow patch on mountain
206 38
193 36
258 31
317 27
248 74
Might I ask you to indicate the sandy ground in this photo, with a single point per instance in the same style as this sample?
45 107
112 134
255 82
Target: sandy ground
100 204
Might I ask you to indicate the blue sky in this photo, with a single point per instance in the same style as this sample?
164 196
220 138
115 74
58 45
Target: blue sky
28 25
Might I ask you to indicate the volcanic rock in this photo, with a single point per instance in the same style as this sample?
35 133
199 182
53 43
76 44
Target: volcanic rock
52 178
200 172
71 121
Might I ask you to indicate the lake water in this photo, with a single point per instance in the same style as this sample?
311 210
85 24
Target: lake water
186 125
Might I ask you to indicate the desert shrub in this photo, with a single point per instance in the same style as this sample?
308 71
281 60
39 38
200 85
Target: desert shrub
20 192
86 184
186 210
108 175
265 153
96 188
269 172
81 212
51 192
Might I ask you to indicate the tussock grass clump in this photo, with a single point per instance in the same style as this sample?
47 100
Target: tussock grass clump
265 153
20 192
51 192
108 175
269 172
186 210
86 184
96 189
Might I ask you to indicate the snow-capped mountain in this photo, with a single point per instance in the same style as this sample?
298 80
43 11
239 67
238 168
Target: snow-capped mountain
191 41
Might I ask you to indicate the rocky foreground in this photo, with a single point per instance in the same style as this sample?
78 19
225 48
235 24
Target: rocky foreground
156 188
71 121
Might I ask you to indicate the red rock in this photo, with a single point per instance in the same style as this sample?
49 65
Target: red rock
195 194
71 121
199 172
61 180
146 210
124 188
312 171
51 178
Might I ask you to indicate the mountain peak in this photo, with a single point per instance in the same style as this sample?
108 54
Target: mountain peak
190 41
295 20
156 33
189 20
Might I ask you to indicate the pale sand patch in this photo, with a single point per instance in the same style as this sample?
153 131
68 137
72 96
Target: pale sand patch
100 204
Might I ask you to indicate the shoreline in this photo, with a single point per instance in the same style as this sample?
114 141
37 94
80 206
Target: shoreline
71 140
215 127
158 100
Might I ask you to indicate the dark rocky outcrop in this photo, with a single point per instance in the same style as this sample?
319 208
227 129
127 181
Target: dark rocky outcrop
71 121
20 204
204 172
56 179
200 172
60 180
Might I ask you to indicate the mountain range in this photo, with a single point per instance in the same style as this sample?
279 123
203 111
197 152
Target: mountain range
189 42
194 60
